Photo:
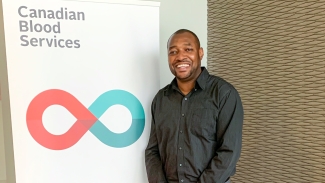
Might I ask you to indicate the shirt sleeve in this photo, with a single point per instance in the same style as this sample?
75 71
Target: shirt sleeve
153 162
229 137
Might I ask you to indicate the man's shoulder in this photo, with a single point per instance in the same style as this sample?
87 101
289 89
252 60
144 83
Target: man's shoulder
163 90
220 83
161 93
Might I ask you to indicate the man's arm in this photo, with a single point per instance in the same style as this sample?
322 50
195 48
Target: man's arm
154 166
229 137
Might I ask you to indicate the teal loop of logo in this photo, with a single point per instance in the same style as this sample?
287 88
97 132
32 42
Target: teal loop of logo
105 101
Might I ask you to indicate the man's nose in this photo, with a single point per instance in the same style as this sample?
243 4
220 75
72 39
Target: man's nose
181 55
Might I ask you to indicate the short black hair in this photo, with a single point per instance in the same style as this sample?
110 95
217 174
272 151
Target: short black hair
180 31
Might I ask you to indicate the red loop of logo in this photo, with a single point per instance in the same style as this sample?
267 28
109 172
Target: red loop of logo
85 119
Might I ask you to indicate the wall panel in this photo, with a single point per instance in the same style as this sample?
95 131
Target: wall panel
273 52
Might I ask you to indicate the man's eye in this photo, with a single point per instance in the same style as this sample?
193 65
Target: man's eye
188 49
172 52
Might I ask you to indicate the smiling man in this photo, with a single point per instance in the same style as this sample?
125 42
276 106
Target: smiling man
196 130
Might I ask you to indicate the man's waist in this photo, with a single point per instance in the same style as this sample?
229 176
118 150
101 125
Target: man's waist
188 181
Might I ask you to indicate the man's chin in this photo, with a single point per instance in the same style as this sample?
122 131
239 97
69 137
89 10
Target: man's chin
182 76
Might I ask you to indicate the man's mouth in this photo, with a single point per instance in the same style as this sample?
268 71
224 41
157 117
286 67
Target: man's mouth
182 67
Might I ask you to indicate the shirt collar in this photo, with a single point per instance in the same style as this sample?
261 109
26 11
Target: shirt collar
200 81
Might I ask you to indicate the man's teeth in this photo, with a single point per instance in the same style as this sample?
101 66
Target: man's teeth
183 65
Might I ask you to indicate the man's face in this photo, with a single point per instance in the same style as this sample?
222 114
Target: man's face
184 56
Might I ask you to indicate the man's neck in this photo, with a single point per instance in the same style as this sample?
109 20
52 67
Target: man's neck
186 87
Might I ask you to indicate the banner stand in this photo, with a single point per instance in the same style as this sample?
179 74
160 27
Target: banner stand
65 65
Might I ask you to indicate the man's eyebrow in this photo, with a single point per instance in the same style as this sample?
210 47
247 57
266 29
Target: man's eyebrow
186 44
171 47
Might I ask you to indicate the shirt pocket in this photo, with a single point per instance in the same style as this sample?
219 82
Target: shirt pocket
203 123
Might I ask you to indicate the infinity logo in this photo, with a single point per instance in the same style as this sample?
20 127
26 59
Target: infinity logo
87 119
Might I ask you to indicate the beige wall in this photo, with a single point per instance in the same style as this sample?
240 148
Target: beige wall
273 52
2 152
2 146
6 148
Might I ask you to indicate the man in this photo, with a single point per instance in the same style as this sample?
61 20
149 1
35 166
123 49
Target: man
196 130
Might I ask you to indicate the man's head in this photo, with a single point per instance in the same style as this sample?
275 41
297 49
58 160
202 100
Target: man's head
184 55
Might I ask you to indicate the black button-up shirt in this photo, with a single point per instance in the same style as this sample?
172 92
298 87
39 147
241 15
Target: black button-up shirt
197 137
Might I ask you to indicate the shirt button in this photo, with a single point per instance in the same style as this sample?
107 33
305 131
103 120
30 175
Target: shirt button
183 115
185 98
182 180
180 164
181 131
195 89
180 148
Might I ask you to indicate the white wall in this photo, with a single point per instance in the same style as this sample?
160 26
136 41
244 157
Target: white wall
180 14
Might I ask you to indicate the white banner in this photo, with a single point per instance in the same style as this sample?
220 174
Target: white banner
81 77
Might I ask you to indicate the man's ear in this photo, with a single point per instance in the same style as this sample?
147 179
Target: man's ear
201 53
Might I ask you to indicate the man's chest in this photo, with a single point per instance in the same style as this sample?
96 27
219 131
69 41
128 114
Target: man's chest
193 115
